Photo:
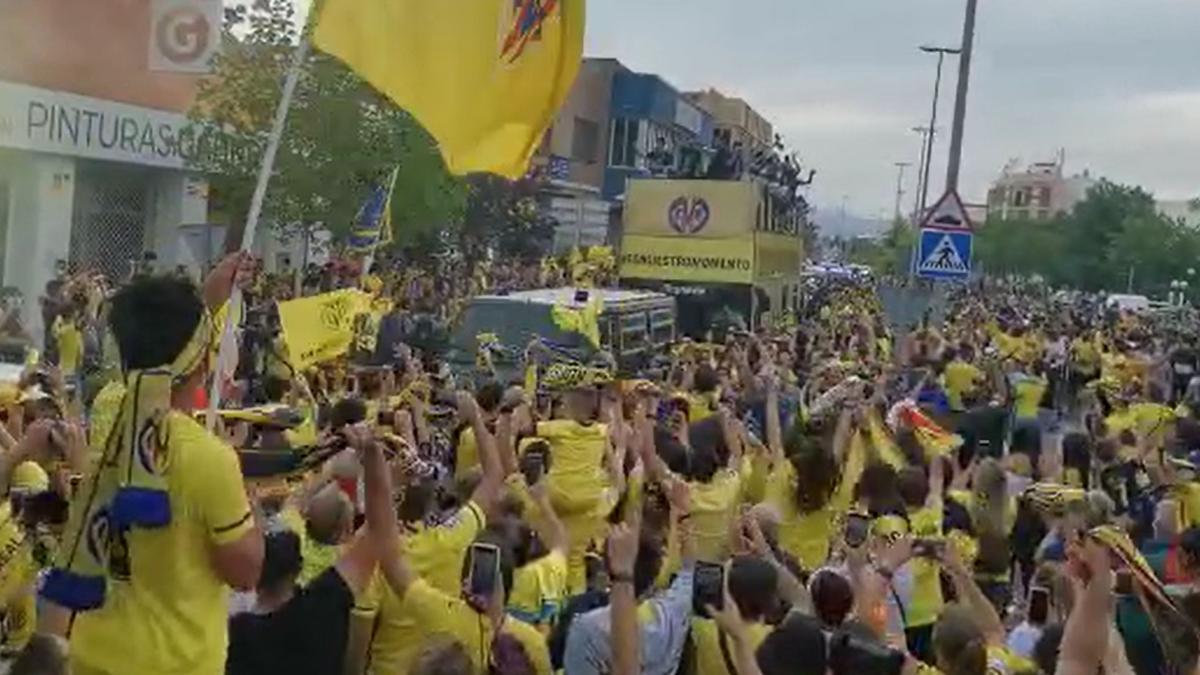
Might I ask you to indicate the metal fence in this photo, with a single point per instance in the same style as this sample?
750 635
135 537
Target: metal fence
906 305
111 210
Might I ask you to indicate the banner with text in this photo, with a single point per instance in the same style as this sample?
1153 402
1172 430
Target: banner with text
728 261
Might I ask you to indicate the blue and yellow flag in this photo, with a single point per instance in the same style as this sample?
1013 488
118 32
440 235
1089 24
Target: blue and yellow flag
486 78
373 227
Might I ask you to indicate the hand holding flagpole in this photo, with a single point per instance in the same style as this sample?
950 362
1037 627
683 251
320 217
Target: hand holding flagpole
227 354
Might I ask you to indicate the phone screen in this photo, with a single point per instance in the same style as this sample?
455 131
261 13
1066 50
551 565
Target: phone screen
1039 605
858 527
929 548
533 465
709 588
485 570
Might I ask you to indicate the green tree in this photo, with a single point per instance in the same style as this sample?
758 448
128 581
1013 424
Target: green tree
342 136
502 216
1114 234
889 255
1020 247
1093 226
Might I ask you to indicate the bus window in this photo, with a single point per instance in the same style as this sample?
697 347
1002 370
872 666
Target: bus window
606 332
662 327
633 332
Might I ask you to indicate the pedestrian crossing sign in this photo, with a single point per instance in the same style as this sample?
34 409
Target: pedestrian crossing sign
945 254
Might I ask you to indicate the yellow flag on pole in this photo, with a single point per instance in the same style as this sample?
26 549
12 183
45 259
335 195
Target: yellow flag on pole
321 327
486 78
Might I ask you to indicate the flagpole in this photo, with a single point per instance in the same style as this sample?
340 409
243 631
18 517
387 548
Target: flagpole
384 217
228 344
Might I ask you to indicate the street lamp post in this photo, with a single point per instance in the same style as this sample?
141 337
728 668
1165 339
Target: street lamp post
900 167
960 100
937 88
924 132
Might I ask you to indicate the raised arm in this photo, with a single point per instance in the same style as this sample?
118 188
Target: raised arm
549 527
357 562
937 483
506 443
488 491
970 594
622 552
774 427
1085 637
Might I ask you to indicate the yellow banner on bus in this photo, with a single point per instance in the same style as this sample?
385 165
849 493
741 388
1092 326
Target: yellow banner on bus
695 209
778 255
722 261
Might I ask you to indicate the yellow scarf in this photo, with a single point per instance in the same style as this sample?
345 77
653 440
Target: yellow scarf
128 487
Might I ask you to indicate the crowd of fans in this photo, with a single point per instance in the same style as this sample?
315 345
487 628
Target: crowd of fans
1013 491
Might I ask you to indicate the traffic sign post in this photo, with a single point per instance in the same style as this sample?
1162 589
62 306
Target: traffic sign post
946 241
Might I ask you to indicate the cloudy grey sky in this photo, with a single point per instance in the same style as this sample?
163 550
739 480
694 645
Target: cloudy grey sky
1116 83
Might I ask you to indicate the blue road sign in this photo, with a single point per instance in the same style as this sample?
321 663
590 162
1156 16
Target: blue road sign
945 254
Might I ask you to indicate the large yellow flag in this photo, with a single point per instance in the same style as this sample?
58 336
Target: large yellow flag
485 77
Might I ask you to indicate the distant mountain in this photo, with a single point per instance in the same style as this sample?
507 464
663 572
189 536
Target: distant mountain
832 223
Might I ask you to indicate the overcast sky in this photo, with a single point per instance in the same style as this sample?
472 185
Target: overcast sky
1115 83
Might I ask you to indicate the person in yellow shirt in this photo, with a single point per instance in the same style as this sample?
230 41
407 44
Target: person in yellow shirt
577 480
702 398
69 339
923 499
753 585
473 616
166 602
717 475
969 636
466 455
385 636
1028 385
961 377
811 482
324 522
539 584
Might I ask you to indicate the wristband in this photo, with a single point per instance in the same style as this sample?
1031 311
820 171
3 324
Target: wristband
616 578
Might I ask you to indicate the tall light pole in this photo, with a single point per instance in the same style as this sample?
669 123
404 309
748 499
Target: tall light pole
900 167
960 100
924 132
937 88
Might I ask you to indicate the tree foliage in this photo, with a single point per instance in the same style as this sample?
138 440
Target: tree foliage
888 256
342 136
1114 231
503 216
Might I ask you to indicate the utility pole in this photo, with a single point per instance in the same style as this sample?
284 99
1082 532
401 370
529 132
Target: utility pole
960 101
900 167
916 212
937 88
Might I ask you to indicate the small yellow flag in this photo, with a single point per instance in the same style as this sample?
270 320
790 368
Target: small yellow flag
486 77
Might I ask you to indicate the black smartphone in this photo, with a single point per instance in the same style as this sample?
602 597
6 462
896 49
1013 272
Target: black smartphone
535 462
708 588
483 576
849 653
386 419
1039 605
858 526
929 548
